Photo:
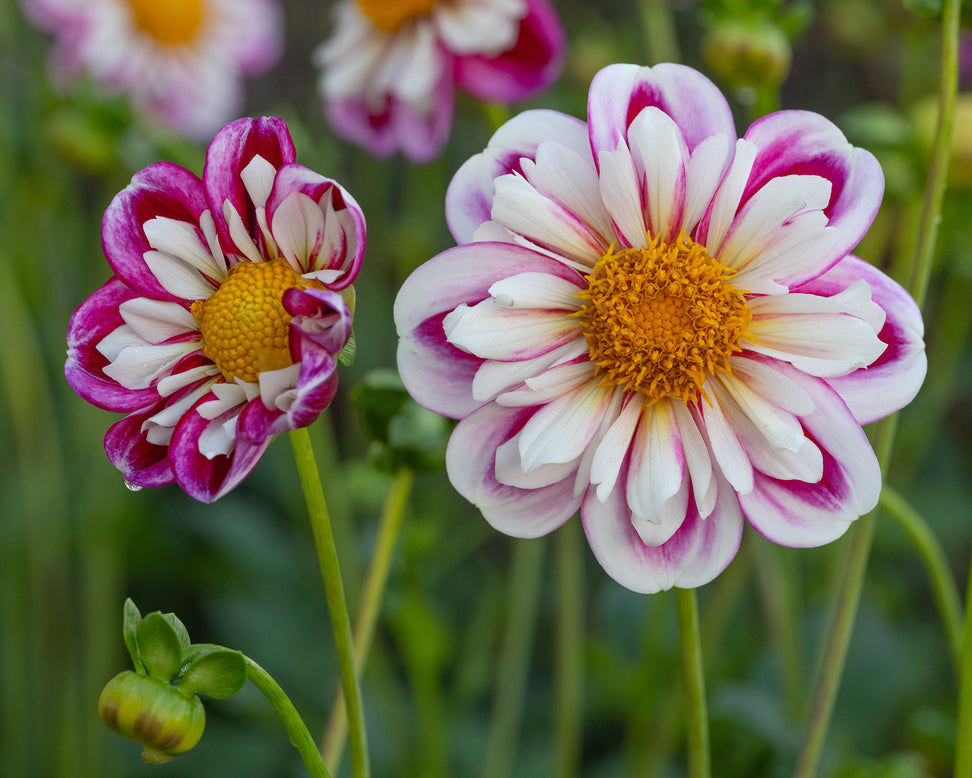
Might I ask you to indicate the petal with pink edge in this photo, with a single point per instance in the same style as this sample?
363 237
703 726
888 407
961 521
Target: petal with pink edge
471 465
618 93
528 67
805 143
98 316
161 189
894 378
695 554
798 514
140 462
434 371
231 150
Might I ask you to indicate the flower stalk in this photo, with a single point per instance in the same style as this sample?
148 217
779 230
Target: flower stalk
334 591
693 676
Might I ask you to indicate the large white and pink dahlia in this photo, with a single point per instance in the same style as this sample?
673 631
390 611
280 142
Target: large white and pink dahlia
390 69
660 324
228 308
181 62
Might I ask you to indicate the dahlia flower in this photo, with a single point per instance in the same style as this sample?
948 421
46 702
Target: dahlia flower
228 308
660 325
180 61
390 68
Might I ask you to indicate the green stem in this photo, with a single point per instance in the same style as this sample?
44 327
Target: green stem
300 738
524 592
842 623
693 677
334 591
332 745
963 752
930 550
570 656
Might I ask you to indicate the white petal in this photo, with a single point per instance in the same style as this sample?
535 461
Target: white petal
228 396
494 376
772 384
657 468
657 141
613 447
697 459
560 431
777 427
258 178
622 196
173 383
727 196
536 290
238 232
218 439
156 320
298 228
176 277
137 366
703 173
549 385
728 451
181 240
509 469
491 331
274 383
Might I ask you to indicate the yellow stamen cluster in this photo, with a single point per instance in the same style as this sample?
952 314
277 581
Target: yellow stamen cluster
391 15
170 22
662 318
244 324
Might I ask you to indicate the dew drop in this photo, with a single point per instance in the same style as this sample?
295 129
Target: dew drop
132 487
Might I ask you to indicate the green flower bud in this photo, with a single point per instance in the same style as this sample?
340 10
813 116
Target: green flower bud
748 54
153 713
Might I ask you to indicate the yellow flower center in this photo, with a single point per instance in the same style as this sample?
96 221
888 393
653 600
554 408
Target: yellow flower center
662 318
244 324
391 15
170 22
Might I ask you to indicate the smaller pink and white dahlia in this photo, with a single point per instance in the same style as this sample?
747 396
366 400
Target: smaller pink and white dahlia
660 324
228 308
180 61
390 68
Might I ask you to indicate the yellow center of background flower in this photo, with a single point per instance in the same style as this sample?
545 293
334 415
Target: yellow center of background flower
662 318
170 22
391 15
244 324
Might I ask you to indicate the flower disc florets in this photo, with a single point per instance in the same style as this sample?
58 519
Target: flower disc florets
662 318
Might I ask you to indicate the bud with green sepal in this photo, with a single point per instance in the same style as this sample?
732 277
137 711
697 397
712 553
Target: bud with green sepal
157 704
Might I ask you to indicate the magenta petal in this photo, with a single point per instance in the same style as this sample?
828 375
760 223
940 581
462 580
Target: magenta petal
434 371
698 551
233 148
98 316
161 189
471 465
805 143
618 93
529 67
894 378
140 462
348 255
798 514
320 318
205 479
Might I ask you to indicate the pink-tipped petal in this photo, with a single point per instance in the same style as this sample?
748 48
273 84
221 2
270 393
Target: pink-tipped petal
530 66
799 514
140 462
471 465
695 554
618 93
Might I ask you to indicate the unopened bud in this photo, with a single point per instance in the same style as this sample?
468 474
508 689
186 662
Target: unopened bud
153 713
748 54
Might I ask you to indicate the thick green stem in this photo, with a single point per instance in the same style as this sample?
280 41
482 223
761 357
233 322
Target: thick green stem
693 677
524 592
300 738
570 649
334 591
332 745
931 552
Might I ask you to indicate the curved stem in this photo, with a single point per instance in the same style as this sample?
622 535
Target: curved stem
931 553
570 649
332 744
300 738
693 675
334 591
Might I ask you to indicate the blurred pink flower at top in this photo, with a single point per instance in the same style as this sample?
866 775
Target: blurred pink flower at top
390 68
180 61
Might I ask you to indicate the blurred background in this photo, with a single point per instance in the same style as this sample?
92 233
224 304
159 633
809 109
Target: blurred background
74 541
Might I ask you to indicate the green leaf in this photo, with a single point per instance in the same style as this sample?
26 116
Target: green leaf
348 353
213 670
159 646
131 618
180 629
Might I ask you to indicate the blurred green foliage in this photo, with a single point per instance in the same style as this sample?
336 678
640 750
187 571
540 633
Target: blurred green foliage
74 542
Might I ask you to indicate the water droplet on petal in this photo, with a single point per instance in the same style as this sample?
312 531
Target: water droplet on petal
132 487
